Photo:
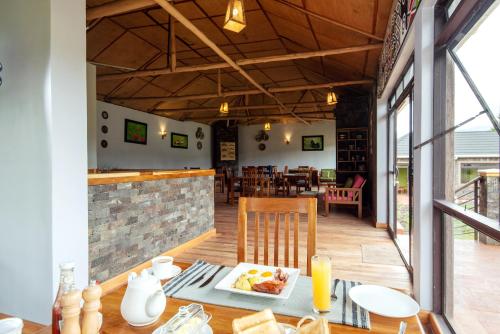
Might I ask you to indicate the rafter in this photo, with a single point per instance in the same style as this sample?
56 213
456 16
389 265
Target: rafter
165 111
243 62
117 7
198 33
242 92
329 20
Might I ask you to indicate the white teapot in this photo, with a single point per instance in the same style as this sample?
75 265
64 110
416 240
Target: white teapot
144 300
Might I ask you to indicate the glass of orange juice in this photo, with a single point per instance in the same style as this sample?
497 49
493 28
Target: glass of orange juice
321 267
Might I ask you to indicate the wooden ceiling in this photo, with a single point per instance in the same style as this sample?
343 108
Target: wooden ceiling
137 40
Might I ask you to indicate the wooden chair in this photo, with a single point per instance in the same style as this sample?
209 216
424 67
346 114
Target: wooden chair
346 196
273 209
281 185
262 187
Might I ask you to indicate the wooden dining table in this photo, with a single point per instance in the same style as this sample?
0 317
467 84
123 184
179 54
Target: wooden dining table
222 318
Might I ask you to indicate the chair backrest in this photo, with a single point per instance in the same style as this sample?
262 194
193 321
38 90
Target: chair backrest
285 170
277 210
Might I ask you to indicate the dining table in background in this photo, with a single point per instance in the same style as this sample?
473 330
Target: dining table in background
222 318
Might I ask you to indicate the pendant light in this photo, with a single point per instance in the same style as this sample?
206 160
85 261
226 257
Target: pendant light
331 98
235 16
224 108
267 126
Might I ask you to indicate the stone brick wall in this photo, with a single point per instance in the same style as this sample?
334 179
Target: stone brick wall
129 223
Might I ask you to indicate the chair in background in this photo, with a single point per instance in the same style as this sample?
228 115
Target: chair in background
281 185
262 186
273 210
327 177
220 178
346 196
304 182
285 170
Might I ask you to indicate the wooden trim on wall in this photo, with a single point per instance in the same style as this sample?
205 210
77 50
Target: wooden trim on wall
123 177
118 281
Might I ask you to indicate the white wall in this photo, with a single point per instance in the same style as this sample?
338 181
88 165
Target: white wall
91 116
43 198
280 154
157 154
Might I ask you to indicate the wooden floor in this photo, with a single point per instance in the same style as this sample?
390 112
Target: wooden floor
359 251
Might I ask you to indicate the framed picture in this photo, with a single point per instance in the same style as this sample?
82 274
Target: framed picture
227 151
178 140
312 143
136 132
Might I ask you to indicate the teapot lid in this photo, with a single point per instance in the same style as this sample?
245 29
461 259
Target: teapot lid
142 280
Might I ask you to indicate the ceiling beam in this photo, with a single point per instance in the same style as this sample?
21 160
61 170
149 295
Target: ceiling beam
245 107
226 94
117 7
259 116
242 62
198 33
329 20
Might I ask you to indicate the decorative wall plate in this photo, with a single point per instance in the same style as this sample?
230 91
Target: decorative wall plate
262 146
104 129
199 133
105 115
199 145
104 143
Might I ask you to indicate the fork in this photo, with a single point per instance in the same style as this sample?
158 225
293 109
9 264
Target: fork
402 327
334 295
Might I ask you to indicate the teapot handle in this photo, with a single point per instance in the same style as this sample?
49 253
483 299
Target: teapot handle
155 305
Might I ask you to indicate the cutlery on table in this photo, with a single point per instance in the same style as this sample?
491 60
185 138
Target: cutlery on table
402 327
201 277
334 295
211 277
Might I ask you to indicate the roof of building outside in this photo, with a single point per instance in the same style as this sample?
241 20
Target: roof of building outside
467 144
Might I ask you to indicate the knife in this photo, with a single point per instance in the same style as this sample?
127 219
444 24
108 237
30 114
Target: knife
211 277
206 270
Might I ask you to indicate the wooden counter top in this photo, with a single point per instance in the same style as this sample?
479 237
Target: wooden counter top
138 176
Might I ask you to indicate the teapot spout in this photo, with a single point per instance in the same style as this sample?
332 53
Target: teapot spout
156 304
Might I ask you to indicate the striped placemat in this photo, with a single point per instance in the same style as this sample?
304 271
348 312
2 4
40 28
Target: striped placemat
344 310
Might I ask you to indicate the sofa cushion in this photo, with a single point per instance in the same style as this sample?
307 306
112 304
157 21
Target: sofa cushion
348 182
358 181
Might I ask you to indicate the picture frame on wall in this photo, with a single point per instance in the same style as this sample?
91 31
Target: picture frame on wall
179 140
313 143
136 132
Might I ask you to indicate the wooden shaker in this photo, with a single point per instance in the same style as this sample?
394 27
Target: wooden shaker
92 297
70 303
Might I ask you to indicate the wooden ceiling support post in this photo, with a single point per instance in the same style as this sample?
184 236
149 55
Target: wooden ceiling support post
172 57
198 33
166 111
244 62
230 93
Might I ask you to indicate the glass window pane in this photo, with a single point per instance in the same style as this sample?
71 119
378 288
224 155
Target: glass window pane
479 51
472 278
452 6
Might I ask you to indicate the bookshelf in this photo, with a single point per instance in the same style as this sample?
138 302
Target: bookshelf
352 152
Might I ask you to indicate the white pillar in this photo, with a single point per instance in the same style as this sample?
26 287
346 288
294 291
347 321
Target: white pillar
43 198
422 117
382 156
91 116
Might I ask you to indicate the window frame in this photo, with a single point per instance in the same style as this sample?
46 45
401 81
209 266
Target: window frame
449 31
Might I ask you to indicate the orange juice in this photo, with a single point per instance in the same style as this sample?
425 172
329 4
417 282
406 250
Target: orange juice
321 282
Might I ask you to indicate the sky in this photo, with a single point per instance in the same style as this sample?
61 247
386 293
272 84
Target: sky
479 52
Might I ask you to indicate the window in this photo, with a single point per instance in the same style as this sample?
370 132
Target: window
467 160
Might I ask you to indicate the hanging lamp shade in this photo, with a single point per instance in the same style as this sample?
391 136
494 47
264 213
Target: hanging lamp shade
235 16
267 126
331 98
224 108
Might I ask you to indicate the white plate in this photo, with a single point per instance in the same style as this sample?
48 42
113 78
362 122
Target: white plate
227 282
174 271
384 301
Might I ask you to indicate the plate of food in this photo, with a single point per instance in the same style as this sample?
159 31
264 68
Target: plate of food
259 280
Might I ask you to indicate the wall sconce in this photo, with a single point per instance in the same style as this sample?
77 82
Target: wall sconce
331 98
163 134
235 16
224 108
267 126
287 139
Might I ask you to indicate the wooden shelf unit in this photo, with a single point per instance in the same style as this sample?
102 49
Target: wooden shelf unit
352 152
